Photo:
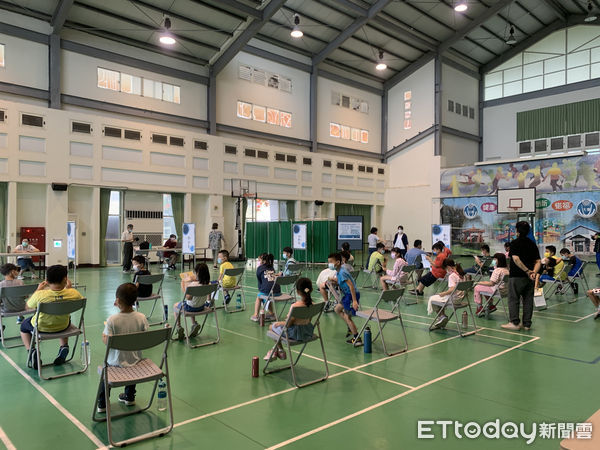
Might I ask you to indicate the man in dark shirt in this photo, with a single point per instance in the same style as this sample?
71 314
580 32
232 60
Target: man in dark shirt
524 264
171 256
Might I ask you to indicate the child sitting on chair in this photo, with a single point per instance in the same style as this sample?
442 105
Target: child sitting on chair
10 272
395 275
126 321
496 280
225 280
298 329
139 269
265 274
193 304
552 267
349 303
456 275
594 296
288 257
377 260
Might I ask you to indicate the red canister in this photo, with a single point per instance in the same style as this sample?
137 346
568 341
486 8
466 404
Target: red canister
255 367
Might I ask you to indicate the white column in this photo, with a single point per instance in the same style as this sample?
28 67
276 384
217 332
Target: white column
298 210
11 216
57 215
95 227
374 218
187 208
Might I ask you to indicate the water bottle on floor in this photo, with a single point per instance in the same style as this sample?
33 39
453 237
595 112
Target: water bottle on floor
85 353
166 313
161 402
367 340
238 302
465 319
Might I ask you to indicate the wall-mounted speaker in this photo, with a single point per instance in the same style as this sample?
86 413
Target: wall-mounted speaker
60 186
319 202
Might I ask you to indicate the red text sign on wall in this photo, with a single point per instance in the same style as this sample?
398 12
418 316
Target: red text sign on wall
489 207
562 205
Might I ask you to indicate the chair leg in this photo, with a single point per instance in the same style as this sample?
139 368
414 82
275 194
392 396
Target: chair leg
439 313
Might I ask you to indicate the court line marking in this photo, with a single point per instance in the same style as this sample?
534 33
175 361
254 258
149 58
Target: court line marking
275 394
396 397
6 441
65 412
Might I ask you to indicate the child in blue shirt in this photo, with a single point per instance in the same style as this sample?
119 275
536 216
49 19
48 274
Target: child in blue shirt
349 304
265 275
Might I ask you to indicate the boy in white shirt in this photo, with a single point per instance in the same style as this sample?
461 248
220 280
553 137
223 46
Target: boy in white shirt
126 321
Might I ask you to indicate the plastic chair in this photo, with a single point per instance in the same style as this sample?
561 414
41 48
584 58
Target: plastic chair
313 313
494 299
383 316
198 291
156 295
281 281
455 303
58 308
144 371
13 303
238 273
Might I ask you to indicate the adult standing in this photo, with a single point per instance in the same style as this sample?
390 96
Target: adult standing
596 237
214 242
401 241
127 239
372 240
524 264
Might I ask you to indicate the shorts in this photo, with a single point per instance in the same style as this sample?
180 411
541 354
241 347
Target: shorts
190 308
296 332
428 279
27 327
265 297
347 303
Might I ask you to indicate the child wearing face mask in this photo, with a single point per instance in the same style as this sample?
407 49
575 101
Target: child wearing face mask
139 268
488 287
552 267
10 273
224 280
349 303
377 260
25 262
395 275
288 257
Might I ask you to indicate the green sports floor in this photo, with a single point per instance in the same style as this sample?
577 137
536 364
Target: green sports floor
547 375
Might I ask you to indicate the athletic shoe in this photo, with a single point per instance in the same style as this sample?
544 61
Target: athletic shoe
281 354
597 316
227 299
526 328
128 401
492 308
20 277
195 330
63 352
270 356
479 311
125 271
270 318
349 333
440 322
180 333
444 321
100 409
356 341
32 361
20 320
511 326
254 318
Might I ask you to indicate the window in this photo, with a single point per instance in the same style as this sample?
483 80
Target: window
381 171
266 210
262 154
159 138
112 240
176 141
1 55
230 149
307 161
168 220
132 135
131 84
279 157
326 163
109 79
250 152
340 165
291 158
32 121
112 132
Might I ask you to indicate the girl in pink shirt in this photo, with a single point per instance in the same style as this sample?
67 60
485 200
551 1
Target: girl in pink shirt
396 273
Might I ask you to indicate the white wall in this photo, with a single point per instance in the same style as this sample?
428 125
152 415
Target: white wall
500 122
457 151
79 77
31 70
421 84
327 112
412 197
31 205
461 88
230 89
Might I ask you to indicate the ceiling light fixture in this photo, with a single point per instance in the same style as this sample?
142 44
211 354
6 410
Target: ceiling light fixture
461 6
590 15
511 37
165 36
380 64
296 31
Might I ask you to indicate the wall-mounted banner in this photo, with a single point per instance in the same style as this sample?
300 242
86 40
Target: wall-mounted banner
71 237
572 174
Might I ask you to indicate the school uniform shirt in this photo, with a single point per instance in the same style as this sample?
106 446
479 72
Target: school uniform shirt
528 253
266 278
144 290
228 281
372 239
51 323
196 302
127 236
124 323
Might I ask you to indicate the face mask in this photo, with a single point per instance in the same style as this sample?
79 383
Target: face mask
393 255
219 260
331 266
546 254
284 256
24 244
130 229
136 268
494 263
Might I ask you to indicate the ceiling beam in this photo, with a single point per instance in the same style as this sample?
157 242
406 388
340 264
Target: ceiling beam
477 22
353 7
523 45
244 37
402 32
349 31
243 8
60 15
557 9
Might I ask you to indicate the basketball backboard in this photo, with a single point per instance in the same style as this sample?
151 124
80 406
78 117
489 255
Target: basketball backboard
516 201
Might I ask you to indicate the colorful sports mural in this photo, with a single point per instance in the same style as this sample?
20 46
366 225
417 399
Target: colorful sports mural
577 173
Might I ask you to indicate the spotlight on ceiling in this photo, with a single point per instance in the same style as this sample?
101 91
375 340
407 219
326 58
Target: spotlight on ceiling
296 31
380 64
461 6
166 37
511 37
590 15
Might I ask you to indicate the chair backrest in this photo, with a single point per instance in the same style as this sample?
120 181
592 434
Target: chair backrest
13 298
464 286
354 274
235 272
151 279
409 268
391 296
307 312
61 307
286 280
138 341
295 267
566 269
486 262
201 291
579 271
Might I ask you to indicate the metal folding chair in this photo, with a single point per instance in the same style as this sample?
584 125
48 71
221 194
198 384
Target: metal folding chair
560 281
295 269
58 308
578 275
144 371
145 252
383 316
372 278
13 303
483 269
405 280
156 295
455 303
334 292
238 273
313 313
494 299
440 284
198 291
284 298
